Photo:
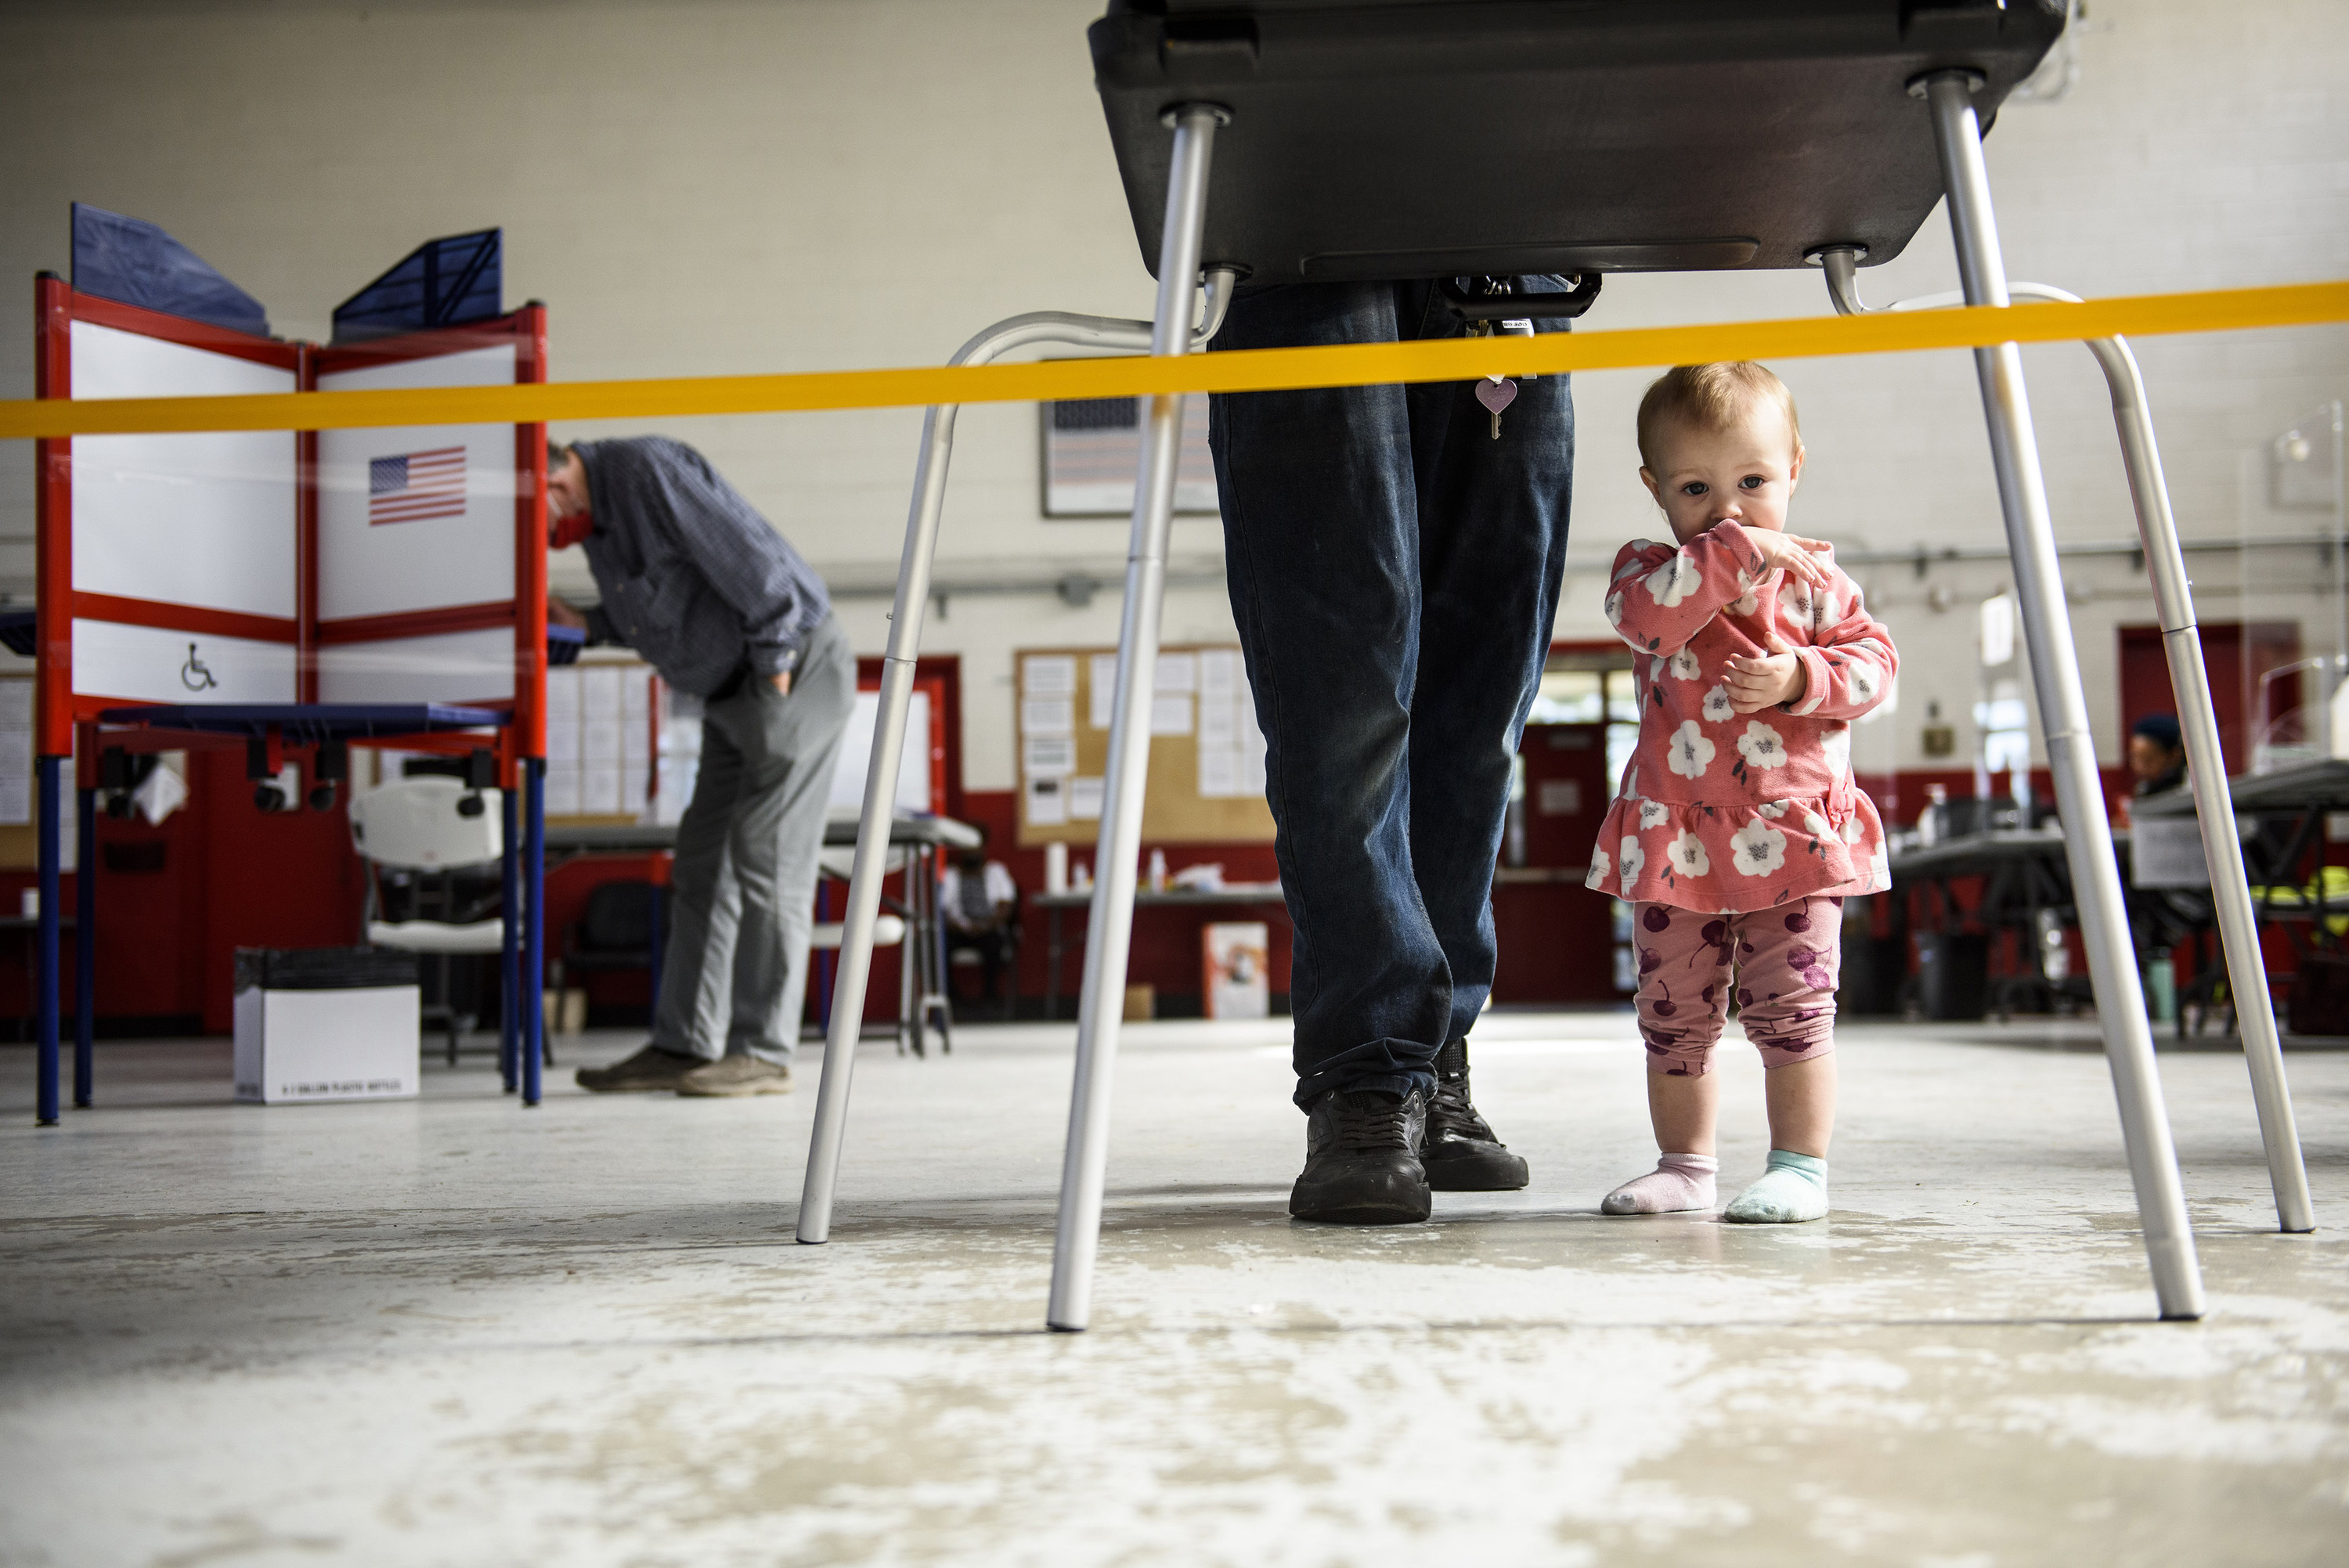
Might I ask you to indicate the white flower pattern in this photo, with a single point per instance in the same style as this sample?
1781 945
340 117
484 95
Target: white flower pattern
1632 859
1685 667
1716 707
1599 867
1691 752
1761 746
1652 813
1759 848
1688 857
1675 581
1774 810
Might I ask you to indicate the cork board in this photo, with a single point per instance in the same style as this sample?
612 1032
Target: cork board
1207 756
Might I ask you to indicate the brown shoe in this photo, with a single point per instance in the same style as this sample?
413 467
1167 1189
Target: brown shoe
731 1075
649 1069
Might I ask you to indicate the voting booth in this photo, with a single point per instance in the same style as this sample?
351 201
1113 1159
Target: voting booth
1307 140
289 591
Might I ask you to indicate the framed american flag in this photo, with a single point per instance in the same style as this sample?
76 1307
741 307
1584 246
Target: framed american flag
1093 452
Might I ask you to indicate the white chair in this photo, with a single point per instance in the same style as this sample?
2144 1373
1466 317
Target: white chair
431 826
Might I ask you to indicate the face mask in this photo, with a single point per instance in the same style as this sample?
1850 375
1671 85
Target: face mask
573 530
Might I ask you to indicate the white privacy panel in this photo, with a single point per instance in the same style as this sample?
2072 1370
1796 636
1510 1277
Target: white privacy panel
855 764
147 663
455 668
204 519
422 517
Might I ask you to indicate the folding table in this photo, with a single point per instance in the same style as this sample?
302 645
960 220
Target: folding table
1464 140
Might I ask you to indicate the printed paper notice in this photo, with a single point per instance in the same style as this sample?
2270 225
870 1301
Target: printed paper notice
1084 800
1104 689
1177 672
1219 672
1220 771
1049 757
1052 675
1047 716
1170 715
1048 803
16 752
1219 723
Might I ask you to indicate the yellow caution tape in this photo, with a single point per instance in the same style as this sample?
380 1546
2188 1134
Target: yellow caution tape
1251 371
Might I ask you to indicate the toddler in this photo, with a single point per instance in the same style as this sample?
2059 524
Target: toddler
1737 834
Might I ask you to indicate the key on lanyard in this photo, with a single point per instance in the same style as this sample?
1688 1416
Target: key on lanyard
1497 392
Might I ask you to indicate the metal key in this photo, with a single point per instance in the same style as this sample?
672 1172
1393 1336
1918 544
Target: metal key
1496 393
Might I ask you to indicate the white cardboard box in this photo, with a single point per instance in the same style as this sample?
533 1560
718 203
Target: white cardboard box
360 1043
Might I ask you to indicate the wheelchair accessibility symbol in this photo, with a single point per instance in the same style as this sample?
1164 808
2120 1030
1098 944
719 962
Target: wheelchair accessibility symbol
193 675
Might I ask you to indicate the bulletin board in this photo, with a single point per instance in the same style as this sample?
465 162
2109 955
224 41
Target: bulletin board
1206 755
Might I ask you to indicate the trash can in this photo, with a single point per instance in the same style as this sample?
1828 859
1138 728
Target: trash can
1953 973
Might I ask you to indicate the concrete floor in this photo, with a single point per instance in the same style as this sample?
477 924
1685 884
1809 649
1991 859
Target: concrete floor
449 1331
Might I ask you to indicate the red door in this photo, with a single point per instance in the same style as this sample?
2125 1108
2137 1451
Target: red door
1556 942
2237 655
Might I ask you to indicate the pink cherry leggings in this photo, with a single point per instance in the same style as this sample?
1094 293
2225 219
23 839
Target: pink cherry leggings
1784 959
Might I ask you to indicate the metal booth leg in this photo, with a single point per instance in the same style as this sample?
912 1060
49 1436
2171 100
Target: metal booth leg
1102 1008
510 1019
85 946
533 942
871 865
45 955
2062 709
2239 932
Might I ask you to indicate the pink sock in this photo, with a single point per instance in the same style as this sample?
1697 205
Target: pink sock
1679 1182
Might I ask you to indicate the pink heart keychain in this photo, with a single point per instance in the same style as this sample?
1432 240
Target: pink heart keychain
1495 396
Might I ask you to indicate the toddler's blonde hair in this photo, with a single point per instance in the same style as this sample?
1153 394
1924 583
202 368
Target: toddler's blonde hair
1711 398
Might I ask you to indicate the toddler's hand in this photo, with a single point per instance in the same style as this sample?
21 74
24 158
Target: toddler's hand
1755 684
1803 558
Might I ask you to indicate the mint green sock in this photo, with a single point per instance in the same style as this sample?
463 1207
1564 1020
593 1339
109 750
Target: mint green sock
1794 1189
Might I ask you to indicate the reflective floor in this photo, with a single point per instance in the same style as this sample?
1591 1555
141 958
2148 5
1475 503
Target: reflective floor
449 1331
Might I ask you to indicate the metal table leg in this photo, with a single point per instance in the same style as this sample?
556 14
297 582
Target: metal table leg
1052 965
509 955
889 724
2062 709
1101 1006
533 942
45 955
85 946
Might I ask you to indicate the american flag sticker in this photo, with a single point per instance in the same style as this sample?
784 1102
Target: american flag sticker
414 486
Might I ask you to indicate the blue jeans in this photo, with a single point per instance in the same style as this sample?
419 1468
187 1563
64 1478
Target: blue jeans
1394 570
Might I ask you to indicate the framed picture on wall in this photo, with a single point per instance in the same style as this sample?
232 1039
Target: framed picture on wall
1093 452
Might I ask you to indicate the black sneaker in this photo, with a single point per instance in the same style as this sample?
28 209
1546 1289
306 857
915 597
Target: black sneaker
1457 1149
1359 1168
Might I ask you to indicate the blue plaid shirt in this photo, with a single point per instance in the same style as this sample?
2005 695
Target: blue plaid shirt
692 577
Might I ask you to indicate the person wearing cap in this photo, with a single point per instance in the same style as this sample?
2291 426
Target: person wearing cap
701 585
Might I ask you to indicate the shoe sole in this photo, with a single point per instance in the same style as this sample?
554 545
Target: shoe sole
634 1086
734 1091
1391 1208
1499 1171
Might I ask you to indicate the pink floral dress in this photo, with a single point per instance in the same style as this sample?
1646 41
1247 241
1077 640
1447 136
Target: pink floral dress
1728 813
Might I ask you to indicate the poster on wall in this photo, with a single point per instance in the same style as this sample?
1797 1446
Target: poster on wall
1093 452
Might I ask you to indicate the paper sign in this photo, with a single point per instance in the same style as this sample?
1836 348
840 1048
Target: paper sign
1104 689
1177 672
1219 672
1170 715
1048 715
1053 675
1560 796
1049 757
1084 800
1220 770
1218 725
1048 803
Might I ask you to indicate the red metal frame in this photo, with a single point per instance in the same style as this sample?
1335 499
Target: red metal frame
56 305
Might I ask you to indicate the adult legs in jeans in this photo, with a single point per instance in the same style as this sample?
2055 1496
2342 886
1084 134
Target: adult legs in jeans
1394 572
735 974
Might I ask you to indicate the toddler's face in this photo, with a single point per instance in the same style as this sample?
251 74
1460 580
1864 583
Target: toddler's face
1747 472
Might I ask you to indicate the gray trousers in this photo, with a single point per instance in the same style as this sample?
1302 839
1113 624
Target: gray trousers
742 894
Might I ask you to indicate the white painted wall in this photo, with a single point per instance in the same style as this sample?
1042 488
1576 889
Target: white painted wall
702 187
